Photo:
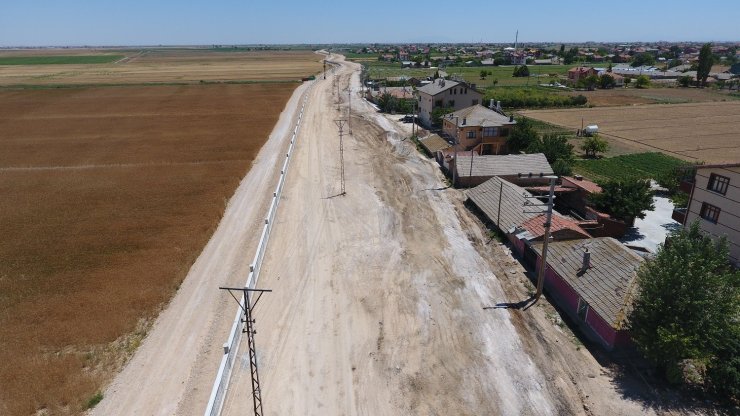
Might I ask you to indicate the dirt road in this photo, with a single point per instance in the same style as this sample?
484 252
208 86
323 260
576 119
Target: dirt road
378 296
173 370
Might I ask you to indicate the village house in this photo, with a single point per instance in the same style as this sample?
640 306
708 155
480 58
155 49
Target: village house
578 73
714 201
479 129
471 170
445 93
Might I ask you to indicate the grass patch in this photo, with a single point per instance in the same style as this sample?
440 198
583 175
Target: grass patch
94 400
628 167
532 97
59 59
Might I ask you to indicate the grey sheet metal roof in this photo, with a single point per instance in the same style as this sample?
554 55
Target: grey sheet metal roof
502 165
439 85
510 212
478 115
608 285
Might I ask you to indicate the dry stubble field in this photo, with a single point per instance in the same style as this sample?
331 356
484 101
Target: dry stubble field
695 131
109 195
169 65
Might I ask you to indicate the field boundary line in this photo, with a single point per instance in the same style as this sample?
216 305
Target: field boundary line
230 347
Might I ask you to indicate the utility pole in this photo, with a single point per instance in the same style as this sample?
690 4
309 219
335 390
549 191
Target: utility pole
324 68
546 226
470 175
340 125
457 141
247 307
349 118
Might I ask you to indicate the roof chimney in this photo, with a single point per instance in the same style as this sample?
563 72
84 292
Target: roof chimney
511 118
491 104
586 260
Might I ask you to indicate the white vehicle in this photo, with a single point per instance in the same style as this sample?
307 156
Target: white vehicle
590 130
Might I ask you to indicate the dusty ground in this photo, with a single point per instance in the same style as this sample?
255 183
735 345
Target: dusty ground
108 196
695 131
166 66
379 296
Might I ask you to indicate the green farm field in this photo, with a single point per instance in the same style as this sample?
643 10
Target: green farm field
627 167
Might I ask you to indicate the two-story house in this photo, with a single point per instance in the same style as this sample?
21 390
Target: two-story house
445 93
715 202
479 129
578 73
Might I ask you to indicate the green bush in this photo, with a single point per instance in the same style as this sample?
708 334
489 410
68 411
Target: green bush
532 98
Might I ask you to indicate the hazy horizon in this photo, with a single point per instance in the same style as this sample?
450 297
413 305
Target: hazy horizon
138 23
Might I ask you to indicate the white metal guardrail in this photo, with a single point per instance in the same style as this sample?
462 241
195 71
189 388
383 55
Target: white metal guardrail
220 384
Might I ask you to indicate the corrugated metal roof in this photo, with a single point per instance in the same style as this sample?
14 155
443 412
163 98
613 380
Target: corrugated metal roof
502 202
478 115
502 165
608 285
439 85
434 143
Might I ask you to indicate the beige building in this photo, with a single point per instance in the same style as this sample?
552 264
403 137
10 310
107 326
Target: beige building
479 129
445 93
715 202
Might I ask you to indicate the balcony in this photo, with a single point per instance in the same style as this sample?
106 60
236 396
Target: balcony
679 215
686 185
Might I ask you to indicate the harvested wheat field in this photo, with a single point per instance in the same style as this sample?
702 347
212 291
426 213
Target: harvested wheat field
109 195
167 65
695 132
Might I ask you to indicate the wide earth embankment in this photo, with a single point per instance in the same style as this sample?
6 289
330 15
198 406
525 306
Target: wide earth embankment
109 195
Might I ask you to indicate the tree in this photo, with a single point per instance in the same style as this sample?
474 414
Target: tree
705 64
438 113
606 81
521 71
642 82
555 147
483 74
685 80
624 200
495 80
387 102
644 58
687 308
589 83
521 136
593 145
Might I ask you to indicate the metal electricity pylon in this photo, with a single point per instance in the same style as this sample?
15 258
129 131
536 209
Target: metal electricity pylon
340 125
248 321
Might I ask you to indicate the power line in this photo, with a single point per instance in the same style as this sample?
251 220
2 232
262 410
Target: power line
340 125
247 307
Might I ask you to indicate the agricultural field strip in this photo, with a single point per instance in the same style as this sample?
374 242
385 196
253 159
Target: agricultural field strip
118 165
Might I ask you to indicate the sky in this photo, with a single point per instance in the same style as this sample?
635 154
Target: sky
188 22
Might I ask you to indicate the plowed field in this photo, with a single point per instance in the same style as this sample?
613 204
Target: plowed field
108 196
696 132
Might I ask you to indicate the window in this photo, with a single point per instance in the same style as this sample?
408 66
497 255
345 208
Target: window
475 102
709 212
451 103
471 134
582 309
490 131
466 90
718 183
504 132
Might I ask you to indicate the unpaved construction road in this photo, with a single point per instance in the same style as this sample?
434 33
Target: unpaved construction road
379 296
